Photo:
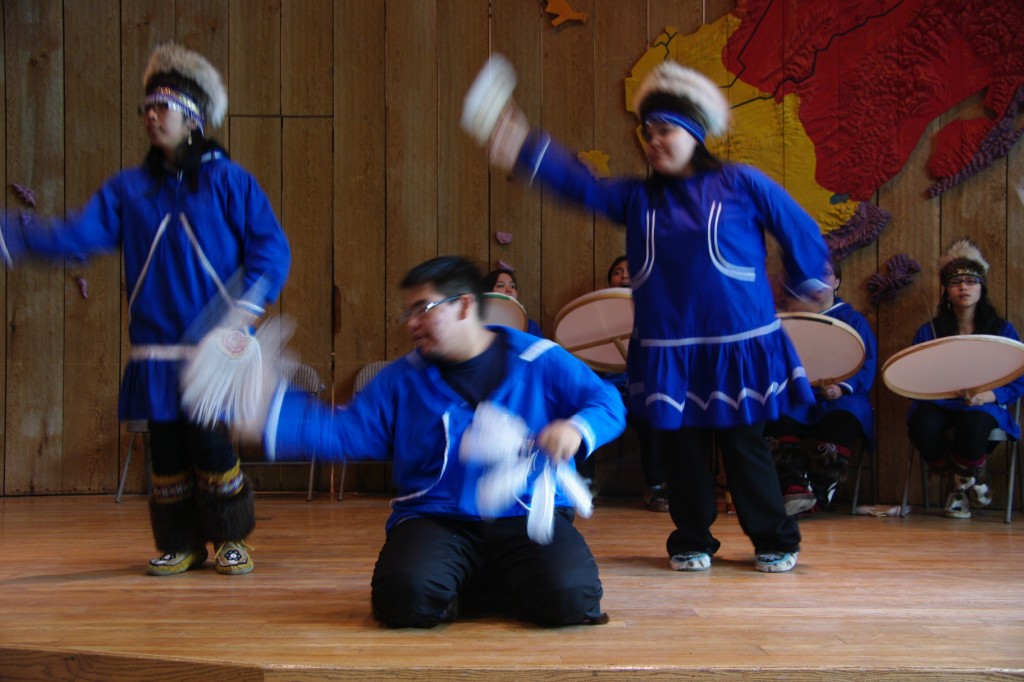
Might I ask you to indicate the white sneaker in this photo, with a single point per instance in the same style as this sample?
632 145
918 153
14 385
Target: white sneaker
982 494
775 562
690 561
957 505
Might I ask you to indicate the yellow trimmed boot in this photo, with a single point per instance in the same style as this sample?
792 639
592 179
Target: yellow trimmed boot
173 563
233 558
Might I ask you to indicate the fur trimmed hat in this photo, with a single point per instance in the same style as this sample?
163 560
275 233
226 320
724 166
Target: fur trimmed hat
963 257
685 91
187 72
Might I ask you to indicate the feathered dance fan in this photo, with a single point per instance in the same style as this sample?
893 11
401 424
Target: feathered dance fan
502 441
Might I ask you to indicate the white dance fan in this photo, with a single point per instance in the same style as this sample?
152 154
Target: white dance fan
496 436
487 98
224 380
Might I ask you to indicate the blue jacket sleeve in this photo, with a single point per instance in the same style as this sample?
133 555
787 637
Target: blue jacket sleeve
267 255
1015 389
804 252
94 229
545 161
864 379
597 408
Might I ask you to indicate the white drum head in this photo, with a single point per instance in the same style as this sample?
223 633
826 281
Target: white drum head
947 367
504 310
596 328
829 349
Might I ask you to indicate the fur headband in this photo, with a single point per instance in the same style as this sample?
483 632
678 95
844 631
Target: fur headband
192 66
676 80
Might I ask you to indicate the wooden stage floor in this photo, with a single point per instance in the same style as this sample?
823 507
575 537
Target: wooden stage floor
924 598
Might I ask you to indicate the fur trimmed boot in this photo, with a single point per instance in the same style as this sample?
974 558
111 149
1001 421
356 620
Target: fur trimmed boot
227 521
176 533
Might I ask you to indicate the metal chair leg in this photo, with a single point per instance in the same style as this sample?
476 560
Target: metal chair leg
124 470
905 508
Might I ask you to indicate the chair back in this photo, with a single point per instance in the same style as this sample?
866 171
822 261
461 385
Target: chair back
367 374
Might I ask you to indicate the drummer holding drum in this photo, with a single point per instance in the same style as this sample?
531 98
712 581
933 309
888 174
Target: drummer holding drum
964 309
841 414
503 283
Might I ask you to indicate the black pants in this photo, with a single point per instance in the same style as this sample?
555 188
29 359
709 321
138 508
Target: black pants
928 425
839 427
688 456
180 446
430 569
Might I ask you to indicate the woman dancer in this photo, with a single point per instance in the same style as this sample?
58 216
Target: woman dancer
708 361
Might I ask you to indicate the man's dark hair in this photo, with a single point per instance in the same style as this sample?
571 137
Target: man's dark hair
450 275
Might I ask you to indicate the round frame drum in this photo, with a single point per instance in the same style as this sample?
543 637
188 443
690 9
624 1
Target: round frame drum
505 310
596 328
948 367
829 349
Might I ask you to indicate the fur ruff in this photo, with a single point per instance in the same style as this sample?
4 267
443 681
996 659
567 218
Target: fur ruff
964 249
227 518
673 78
170 56
175 525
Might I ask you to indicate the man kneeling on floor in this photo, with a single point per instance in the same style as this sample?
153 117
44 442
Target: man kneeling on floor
442 554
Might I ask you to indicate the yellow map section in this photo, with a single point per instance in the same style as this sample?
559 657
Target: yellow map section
762 133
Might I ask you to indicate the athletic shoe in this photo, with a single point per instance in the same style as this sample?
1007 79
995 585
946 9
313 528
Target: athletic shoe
957 506
962 483
690 561
798 499
173 563
981 491
775 562
233 558
656 499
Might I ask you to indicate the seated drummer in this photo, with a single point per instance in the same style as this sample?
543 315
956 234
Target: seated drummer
841 415
964 308
503 281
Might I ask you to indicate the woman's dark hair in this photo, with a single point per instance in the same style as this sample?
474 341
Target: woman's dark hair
492 278
986 317
188 159
611 268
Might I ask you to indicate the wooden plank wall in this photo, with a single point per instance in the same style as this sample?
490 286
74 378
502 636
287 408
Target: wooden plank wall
347 113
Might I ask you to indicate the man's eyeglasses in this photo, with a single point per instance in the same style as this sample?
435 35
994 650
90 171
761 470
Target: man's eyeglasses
963 279
417 313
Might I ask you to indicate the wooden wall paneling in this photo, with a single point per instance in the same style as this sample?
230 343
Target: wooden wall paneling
976 208
361 280
92 291
411 141
914 230
307 183
620 39
685 15
360 277
256 146
35 347
307 57
1015 238
463 225
567 232
254 57
202 25
144 25
716 9
516 29
8 201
